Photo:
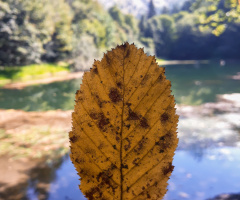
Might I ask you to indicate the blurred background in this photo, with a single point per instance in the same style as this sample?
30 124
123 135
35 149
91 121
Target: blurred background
45 46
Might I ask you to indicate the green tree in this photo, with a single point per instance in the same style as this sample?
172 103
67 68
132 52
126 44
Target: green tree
99 29
117 15
25 25
61 43
32 29
151 10
127 24
216 14
162 28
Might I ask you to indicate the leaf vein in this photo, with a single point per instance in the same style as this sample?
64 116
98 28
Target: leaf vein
148 111
95 163
95 125
140 81
145 154
147 171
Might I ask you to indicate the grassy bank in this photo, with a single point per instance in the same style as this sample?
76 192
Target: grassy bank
30 72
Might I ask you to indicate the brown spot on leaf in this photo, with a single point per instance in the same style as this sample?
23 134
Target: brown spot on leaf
128 104
140 145
127 54
117 138
119 84
144 80
164 117
168 169
132 115
93 115
148 195
128 126
144 123
101 145
100 104
77 160
108 59
113 166
77 92
89 125
114 95
164 142
124 166
104 178
80 99
103 121
73 138
123 46
95 70
93 193
135 161
128 146
160 77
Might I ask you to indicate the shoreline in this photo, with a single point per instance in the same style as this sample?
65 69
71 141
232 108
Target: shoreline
63 77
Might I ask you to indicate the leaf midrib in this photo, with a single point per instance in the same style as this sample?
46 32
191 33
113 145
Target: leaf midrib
121 158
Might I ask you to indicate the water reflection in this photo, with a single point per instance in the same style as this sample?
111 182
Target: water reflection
216 173
36 185
194 86
190 85
57 95
207 162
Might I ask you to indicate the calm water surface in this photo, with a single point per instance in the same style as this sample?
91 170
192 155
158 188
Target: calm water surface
217 172
191 84
205 166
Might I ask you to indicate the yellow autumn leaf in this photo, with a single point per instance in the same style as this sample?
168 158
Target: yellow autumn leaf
124 127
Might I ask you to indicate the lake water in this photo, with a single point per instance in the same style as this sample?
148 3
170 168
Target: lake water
207 161
191 85
217 172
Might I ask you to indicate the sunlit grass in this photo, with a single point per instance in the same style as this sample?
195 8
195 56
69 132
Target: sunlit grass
30 72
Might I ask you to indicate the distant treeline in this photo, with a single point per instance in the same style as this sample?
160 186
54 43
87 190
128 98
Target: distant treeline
33 31
200 29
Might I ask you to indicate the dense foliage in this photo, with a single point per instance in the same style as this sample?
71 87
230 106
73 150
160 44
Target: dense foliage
200 29
32 31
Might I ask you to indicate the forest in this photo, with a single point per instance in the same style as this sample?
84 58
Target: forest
33 31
